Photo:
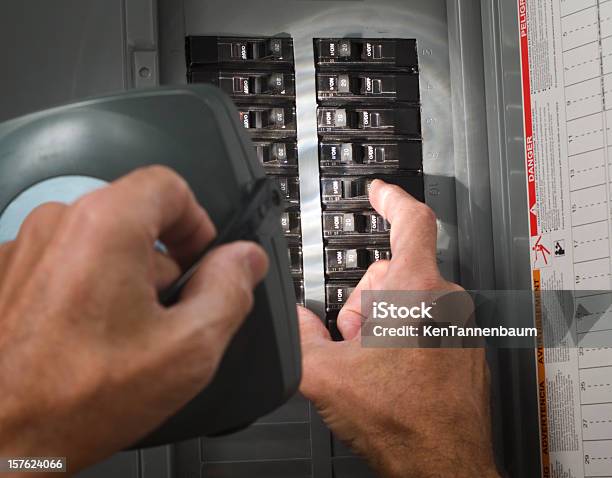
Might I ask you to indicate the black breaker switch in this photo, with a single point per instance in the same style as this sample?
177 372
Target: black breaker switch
267 118
205 50
360 52
291 223
289 187
354 86
337 293
295 259
277 154
373 120
351 260
347 224
347 190
242 85
403 155
299 291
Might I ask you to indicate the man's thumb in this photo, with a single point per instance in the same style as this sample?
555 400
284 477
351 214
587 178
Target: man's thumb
312 328
317 351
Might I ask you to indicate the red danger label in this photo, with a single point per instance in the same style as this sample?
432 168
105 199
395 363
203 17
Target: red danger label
530 159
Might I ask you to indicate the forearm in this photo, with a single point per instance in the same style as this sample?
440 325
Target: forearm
398 450
430 463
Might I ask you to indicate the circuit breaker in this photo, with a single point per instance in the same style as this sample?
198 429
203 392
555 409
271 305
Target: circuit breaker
259 75
369 126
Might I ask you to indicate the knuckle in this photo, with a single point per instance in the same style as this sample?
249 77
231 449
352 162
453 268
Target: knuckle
49 208
432 281
87 212
377 269
39 219
6 248
392 196
397 192
425 214
168 177
452 287
158 170
168 181
93 220
379 266
396 196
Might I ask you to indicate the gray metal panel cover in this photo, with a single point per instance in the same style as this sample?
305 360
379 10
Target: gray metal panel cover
54 52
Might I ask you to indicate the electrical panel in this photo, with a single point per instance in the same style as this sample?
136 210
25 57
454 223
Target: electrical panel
369 126
259 75
411 105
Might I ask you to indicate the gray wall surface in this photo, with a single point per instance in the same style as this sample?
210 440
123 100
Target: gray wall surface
52 52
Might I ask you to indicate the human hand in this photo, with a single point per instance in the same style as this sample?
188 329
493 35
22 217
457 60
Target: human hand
410 412
89 360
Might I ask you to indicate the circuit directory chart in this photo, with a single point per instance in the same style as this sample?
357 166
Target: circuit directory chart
566 60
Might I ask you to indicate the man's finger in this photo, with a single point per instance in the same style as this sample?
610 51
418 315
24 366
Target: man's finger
6 251
149 204
351 316
317 353
311 327
41 223
34 234
413 226
218 297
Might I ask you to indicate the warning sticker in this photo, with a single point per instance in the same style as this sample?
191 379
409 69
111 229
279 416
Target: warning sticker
541 251
566 65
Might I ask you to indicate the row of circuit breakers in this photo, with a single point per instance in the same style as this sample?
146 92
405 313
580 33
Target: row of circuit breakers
368 124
